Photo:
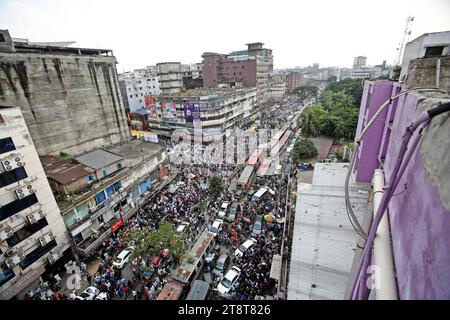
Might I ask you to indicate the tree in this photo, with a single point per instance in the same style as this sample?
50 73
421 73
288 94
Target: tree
272 124
304 150
352 87
152 242
215 187
306 92
308 125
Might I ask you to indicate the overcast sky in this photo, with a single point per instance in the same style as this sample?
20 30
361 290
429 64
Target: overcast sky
300 32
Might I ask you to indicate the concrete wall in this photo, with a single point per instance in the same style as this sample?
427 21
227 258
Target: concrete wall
419 213
70 103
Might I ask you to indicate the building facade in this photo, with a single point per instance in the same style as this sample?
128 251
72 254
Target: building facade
69 97
32 232
139 84
295 80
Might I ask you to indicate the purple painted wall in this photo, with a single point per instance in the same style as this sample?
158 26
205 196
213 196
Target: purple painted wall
420 225
374 95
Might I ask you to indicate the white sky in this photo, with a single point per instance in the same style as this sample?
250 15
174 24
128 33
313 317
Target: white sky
300 32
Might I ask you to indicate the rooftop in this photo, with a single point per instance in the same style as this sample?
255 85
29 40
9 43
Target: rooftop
63 171
323 239
201 92
135 151
98 158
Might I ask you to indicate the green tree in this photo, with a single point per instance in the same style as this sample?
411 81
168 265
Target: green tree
306 92
272 124
150 242
304 150
215 187
352 87
308 125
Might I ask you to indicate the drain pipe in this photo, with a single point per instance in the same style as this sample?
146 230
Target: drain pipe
386 286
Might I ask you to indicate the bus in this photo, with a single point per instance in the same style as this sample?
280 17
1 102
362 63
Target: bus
257 157
262 171
245 179
172 290
191 269
201 290
259 194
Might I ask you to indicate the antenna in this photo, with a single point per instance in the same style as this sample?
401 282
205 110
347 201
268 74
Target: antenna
405 38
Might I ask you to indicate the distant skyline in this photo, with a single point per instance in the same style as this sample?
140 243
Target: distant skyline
300 33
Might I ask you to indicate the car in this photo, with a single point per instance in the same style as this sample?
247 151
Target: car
88 294
216 227
257 226
228 281
102 296
233 211
223 210
182 227
123 258
221 265
239 252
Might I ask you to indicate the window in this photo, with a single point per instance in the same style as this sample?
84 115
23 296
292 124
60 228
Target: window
6 145
8 177
434 51
6 274
2 38
2 121
16 206
131 96
119 166
110 191
90 179
105 172
36 254
25 232
100 197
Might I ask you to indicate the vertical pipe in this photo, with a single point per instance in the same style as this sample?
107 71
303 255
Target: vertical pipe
386 288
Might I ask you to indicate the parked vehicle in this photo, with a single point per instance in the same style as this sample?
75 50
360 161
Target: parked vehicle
182 227
228 281
259 194
221 265
123 257
88 294
200 290
233 211
257 226
223 210
239 252
216 227
102 296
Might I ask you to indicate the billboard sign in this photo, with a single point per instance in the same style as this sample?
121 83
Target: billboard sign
150 106
187 108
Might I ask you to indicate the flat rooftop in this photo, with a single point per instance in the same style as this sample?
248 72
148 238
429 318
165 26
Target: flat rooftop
202 92
323 239
135 151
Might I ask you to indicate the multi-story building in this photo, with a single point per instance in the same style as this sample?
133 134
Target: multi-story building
276 90
295 80
69 97
359 62
170 77
99 190
32 232
139 84
252 67
214 109
362 73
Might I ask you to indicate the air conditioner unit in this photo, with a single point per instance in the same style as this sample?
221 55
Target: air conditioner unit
12 163
46 239
6 233
24 191
36 216
10 253
12 261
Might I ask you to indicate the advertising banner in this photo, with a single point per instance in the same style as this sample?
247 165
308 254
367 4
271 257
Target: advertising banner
150 105
196 113
187 108
169 111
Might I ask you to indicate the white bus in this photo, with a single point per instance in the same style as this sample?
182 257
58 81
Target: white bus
258 195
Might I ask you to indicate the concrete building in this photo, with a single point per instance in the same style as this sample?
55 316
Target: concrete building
252 67
170 77
138 85
295 80
359 62
32 232
214 109
361 73
69 97
276 91
427 45
111 183
415 229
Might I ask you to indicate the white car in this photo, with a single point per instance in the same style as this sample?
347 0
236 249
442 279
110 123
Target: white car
223 210
102 296
216 227
239 252
123 257
182 227
89 294
228 281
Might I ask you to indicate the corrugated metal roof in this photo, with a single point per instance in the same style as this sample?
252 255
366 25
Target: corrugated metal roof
323 239
98 158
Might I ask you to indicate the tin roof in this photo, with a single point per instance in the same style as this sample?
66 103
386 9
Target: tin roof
63 171
98 158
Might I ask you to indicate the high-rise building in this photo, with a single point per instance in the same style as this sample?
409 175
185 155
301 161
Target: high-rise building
295 80
252 67
32 232
69 97
359 62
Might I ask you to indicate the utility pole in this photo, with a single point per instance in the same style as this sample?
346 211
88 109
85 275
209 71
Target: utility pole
406 33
